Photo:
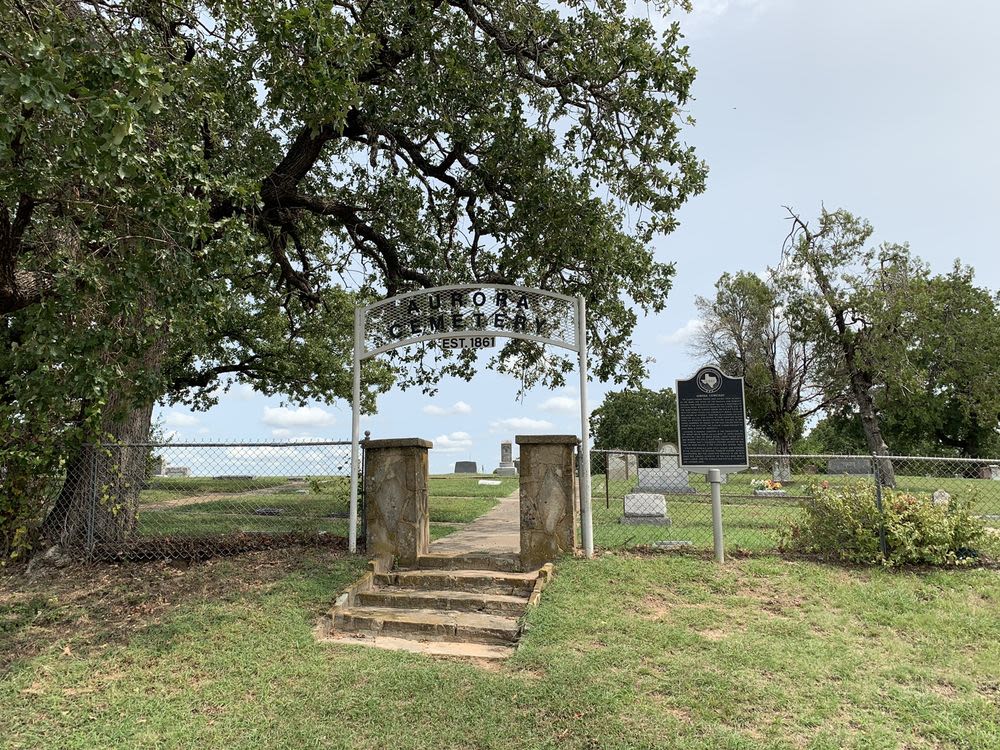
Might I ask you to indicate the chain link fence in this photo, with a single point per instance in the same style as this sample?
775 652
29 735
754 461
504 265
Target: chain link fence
644 500
192 500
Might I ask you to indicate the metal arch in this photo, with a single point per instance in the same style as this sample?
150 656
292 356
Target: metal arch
451 334
578 331
460 287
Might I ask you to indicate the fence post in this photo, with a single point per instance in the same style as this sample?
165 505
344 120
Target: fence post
607 470
362 495
715 477
92 509
877 475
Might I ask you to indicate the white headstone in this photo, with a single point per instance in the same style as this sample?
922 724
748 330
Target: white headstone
507 468
669 480
621 466
645 504
940 497
668 455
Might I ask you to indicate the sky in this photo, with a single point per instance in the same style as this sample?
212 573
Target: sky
887 108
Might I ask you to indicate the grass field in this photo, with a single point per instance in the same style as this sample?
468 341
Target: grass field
753 523
624 652
196 506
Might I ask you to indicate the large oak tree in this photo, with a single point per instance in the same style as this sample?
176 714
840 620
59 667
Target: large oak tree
196 192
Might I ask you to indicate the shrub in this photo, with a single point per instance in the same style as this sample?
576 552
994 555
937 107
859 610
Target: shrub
845 523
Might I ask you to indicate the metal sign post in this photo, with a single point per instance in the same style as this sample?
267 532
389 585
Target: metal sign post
472 316
712 434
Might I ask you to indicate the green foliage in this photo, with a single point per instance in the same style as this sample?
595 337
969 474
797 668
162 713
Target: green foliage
193 194
845 523
746 333
635 420
943 398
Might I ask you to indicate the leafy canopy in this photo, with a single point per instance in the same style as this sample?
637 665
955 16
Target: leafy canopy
197 192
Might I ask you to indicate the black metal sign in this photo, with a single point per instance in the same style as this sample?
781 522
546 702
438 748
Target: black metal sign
711 422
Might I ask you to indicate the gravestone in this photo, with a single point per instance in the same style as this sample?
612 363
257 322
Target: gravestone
645 508
177 471
507 468
855 466
667 477
671 481
940 497
466 467
621 466
668 455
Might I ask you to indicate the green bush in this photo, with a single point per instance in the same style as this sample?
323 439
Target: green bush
844 523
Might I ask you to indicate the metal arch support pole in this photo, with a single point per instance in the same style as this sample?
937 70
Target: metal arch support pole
352 523
586 513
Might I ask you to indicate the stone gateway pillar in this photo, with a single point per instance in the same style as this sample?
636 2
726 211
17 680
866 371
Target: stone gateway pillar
398 522
550 510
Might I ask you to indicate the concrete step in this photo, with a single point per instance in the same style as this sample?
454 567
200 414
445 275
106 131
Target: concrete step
482 581
428 624
461 601
501 561
430 648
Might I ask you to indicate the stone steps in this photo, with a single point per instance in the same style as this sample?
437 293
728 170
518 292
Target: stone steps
449 600
503 562
481 581
430 624
470 612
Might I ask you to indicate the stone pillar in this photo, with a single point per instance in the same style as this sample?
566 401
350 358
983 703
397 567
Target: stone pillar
550 510
398 522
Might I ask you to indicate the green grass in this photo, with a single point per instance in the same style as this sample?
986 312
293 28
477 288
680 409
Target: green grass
203 485
230 504
453 485
624 652
751 523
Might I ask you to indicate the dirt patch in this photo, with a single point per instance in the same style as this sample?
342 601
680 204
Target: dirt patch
768 597
944 689
89 606
990 691
714 634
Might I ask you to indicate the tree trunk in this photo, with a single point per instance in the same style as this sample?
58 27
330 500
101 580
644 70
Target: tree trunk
782 469
99 501
873 432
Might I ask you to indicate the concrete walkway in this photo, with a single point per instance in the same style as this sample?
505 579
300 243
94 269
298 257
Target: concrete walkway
499 530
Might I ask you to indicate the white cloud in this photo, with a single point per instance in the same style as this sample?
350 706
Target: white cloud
281 432
683 334
717 8
306 416
454 442
179 419
563 404
522 424
459 407
242 392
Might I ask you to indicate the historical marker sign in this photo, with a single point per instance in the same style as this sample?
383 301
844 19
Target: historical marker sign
711 422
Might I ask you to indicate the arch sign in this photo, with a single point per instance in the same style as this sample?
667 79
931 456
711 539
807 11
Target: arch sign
473 316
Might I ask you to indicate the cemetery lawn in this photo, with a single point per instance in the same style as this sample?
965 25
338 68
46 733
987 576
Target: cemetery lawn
625 651
197 506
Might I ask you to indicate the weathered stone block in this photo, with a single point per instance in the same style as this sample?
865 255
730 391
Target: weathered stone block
549 503
396 500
